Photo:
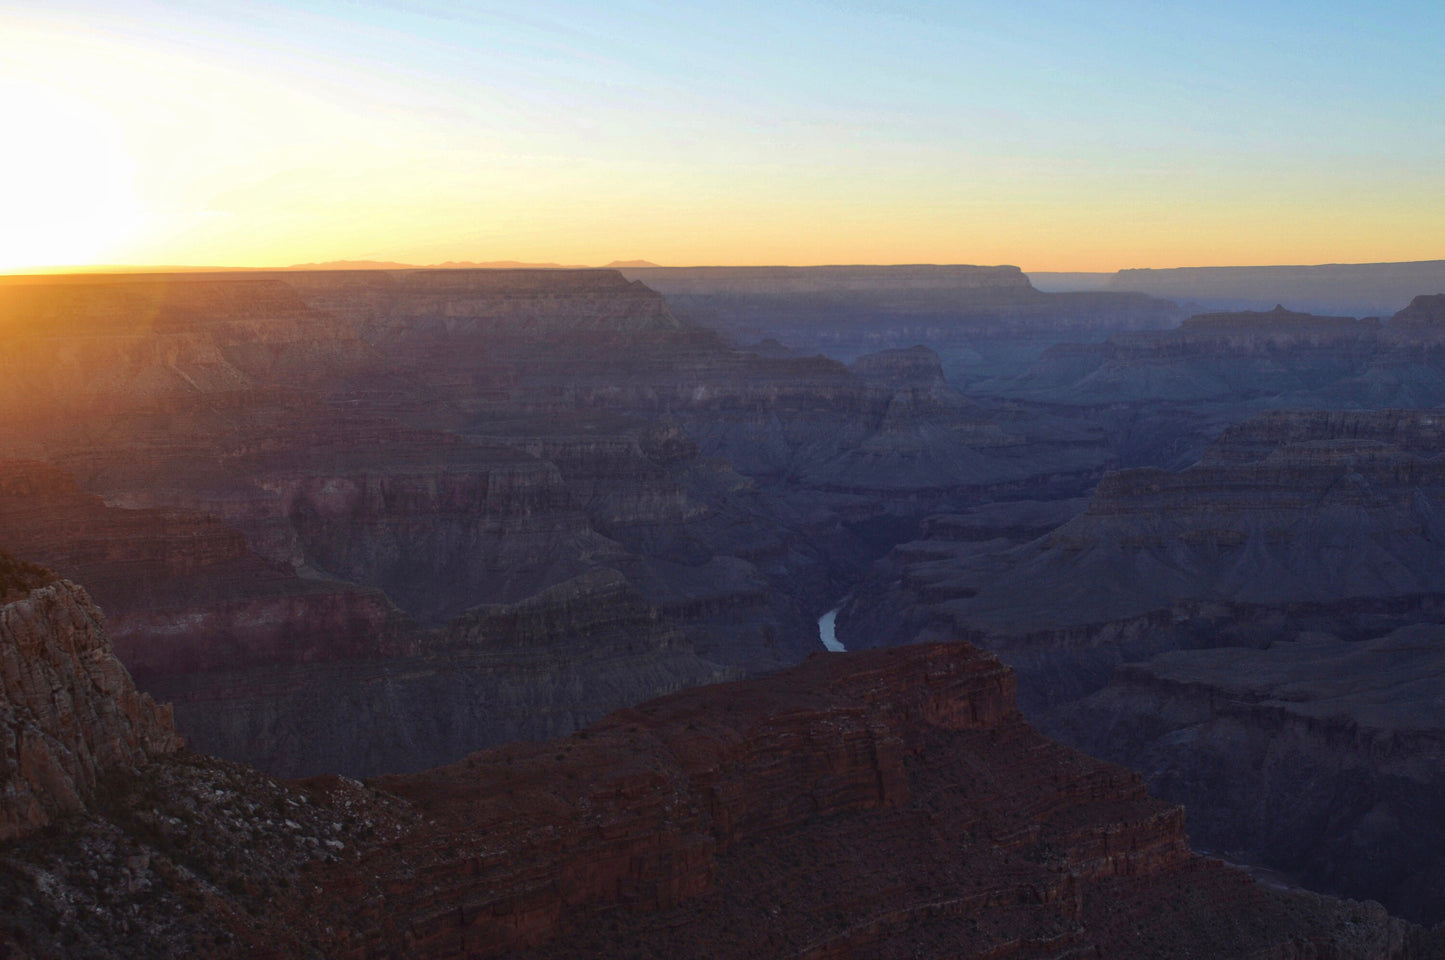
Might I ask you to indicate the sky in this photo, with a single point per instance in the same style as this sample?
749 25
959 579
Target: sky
1084 136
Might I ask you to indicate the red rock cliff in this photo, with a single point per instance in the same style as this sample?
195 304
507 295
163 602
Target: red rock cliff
866 805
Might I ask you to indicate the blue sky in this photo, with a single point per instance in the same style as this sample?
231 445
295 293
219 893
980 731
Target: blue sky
1053 135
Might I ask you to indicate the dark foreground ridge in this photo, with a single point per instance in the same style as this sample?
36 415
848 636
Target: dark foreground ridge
880 804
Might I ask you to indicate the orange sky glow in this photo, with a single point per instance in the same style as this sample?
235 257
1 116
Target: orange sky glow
242 140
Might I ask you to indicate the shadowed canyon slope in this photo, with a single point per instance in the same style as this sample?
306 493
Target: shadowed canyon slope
1298 533
1316 756
695 824
1268 358
1377 289
983 321
68 710
372 521
312 485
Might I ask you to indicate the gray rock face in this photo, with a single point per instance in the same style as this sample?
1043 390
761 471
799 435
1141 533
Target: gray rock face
1319 757
68 710
1235 364
540 668
1340 507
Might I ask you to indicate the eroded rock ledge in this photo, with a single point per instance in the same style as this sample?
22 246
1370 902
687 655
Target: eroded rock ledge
68 709
862 805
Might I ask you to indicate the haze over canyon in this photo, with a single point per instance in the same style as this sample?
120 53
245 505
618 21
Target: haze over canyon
475 612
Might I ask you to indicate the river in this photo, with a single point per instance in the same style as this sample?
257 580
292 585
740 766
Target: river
825 630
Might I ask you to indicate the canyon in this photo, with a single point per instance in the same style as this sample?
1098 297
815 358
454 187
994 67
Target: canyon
302 496
1166 622
365 523
855 805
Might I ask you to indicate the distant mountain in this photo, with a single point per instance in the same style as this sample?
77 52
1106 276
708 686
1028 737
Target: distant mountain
448 265
1053 282
506 265
630 264
1356 289
352 265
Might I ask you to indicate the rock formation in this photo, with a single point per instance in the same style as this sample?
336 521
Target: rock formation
1300 521
1318 757
700 824
288 486
1425 314
876 804
1295 525
69 712
1225 366
1359 288
984 321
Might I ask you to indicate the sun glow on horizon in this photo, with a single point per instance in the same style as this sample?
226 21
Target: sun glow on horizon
270 133
67 181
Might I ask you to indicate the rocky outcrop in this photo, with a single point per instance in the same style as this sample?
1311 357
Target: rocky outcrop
69 712
1425 315
858 805
182 857
912 366
1318 757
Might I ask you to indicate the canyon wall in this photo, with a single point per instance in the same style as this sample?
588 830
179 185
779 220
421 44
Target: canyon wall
1377 289
1318 757
288 486
1158 626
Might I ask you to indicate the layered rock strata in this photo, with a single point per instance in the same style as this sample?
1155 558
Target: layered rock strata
1292 521
1230 364
862 805
859 805
540 668
1293 527
1318 757
983 320
1362 288
306 476
69 712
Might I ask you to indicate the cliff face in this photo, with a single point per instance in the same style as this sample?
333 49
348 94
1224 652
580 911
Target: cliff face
873 804
1361 288
1299 508
1319 757
314 473
183 590
1293 526
859 805
539 668
68 710
982 320
1423 316
1238 362
81 349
